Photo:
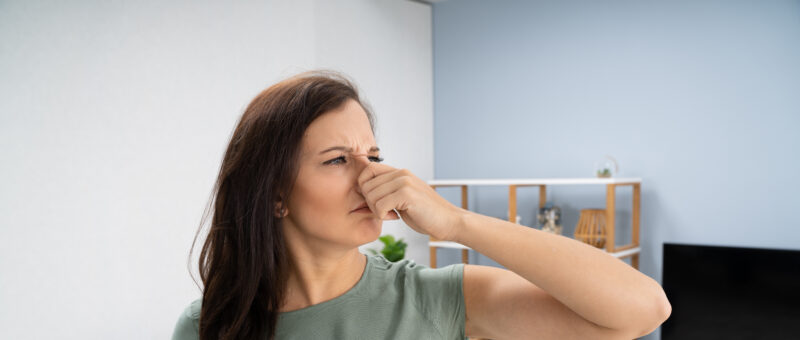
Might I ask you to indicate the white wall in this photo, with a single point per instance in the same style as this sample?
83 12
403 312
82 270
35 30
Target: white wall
390 54
113 120
387 48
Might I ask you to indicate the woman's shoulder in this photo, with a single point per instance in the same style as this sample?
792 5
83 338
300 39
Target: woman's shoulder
436 292
192 311
188 325
418 273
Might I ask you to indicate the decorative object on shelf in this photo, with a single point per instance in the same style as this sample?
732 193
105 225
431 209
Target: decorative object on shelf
607 167
549 218
392 250
591 227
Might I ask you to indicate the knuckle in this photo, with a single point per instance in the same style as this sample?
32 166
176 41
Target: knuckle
402 181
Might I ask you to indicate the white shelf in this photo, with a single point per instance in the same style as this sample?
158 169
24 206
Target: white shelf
631 250
447 244
534 181
456 245
626 252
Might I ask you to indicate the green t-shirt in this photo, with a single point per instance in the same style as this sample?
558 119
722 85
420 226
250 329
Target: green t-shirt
400 300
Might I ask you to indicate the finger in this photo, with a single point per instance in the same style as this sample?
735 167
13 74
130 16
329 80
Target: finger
384 189
384 178
371 171
395 200
392 215
381 181
383 185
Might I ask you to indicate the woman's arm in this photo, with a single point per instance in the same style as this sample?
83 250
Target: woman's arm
591 283
556 284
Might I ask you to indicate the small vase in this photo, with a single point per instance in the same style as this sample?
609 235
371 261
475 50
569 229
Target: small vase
591 228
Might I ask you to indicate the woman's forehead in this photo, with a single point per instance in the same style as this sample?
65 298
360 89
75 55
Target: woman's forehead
339 129
341 144
339 141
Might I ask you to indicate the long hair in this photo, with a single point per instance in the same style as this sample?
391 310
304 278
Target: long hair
244 261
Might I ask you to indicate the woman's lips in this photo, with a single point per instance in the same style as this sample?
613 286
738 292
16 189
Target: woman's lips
363 210
360 207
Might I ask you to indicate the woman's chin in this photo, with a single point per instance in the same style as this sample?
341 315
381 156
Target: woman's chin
371 229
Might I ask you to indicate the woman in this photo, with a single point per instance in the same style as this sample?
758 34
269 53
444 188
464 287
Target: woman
302 186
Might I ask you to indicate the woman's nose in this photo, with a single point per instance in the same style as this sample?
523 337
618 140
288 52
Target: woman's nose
361 161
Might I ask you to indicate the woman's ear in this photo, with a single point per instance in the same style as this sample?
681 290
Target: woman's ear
280 210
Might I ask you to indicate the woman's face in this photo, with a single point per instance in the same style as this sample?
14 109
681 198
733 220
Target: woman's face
334 150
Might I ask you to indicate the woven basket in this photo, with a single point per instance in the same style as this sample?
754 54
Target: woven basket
591 227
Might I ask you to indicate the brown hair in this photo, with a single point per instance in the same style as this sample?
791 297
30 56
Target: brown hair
244 261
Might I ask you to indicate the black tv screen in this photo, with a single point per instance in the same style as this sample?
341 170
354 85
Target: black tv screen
731 293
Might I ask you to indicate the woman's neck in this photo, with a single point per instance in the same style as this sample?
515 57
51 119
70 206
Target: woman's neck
316 278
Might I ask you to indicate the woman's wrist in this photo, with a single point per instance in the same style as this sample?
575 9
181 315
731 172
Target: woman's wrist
460 227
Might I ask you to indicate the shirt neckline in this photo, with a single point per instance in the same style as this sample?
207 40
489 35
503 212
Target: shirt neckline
352 291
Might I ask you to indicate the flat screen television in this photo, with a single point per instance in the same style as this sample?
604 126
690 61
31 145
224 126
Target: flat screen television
721 292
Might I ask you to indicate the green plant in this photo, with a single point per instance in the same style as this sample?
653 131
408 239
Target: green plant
392 250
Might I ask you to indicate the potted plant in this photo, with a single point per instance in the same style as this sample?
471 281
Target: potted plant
393 250
607 168
604 173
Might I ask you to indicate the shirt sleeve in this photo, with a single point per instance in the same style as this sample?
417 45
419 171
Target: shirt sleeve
440 296
188 325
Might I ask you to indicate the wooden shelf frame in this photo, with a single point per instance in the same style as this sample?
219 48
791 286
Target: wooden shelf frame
631 250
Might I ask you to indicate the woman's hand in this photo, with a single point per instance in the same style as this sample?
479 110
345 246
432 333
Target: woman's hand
387 190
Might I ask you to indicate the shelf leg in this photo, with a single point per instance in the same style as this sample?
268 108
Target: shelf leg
542 196
512 203
464 201
611 190
465 206
636 221
433 249
433 257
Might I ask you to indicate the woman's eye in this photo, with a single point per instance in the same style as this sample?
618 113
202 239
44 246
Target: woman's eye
336 161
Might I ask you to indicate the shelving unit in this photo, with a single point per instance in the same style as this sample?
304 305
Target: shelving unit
631 250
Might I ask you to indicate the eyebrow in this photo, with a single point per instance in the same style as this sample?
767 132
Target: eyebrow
372 149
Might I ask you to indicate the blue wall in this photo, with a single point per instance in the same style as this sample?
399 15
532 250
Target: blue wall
701 99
